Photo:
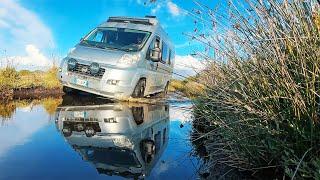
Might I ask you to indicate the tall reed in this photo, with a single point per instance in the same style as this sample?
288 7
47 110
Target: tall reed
260 109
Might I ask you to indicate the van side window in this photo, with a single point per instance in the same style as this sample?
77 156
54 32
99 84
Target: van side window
171 56
165 53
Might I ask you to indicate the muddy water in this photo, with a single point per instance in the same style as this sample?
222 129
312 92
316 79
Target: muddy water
91 138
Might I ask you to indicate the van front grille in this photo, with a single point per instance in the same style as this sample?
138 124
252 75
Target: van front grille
85 70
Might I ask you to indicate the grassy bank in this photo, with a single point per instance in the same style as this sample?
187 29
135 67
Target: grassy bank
189 87
260 110
12 80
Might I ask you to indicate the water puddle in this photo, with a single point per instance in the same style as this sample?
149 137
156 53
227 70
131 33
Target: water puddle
86 137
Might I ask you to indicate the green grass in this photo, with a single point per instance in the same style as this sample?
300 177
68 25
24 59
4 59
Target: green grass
189 87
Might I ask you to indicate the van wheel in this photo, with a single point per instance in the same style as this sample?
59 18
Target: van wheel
138 115
138 91
165 91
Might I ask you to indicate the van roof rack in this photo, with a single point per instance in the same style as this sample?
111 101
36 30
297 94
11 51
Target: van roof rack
130 20
148 16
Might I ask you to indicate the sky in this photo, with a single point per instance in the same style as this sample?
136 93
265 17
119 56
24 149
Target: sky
35 34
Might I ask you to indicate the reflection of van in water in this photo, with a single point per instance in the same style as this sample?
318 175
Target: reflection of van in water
119 139
120 58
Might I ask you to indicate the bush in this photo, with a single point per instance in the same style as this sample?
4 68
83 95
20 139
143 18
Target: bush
12 79
176 85
261 107
8 78
50 79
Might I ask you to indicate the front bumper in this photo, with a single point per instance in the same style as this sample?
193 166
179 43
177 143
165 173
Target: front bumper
99 86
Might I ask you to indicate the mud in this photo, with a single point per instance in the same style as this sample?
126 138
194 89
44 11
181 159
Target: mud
29 93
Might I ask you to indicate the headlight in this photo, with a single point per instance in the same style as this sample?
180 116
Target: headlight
128 59
94 68
72 63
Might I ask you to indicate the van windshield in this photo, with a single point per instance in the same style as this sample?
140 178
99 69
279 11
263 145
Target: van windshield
116 38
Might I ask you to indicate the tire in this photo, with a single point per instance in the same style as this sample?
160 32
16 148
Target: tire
138 91
148 150
138 115
165 91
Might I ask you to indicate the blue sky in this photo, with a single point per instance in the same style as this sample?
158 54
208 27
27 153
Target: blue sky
71 20
36 32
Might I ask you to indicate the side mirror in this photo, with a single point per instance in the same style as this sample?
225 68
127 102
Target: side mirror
155 54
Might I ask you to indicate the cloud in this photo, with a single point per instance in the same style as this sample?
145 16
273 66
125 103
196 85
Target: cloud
33 59
187 66
156 9
173 9
22 29
165 6
25 129
181 112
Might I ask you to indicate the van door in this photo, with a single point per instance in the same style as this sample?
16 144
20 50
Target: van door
153 80
164 67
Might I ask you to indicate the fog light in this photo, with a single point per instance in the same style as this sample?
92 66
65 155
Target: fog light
79 127
94 68
113 82
72 63
67 132
89 131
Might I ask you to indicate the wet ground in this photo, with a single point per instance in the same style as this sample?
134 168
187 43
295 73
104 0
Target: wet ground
92 138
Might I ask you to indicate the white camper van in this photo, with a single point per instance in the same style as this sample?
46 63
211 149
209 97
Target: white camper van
120 58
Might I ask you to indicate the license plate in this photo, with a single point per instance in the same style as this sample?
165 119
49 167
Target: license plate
81 82
79 114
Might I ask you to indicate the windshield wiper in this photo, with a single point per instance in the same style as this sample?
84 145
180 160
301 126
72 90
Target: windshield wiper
130 47
84 42
99 46
114 48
